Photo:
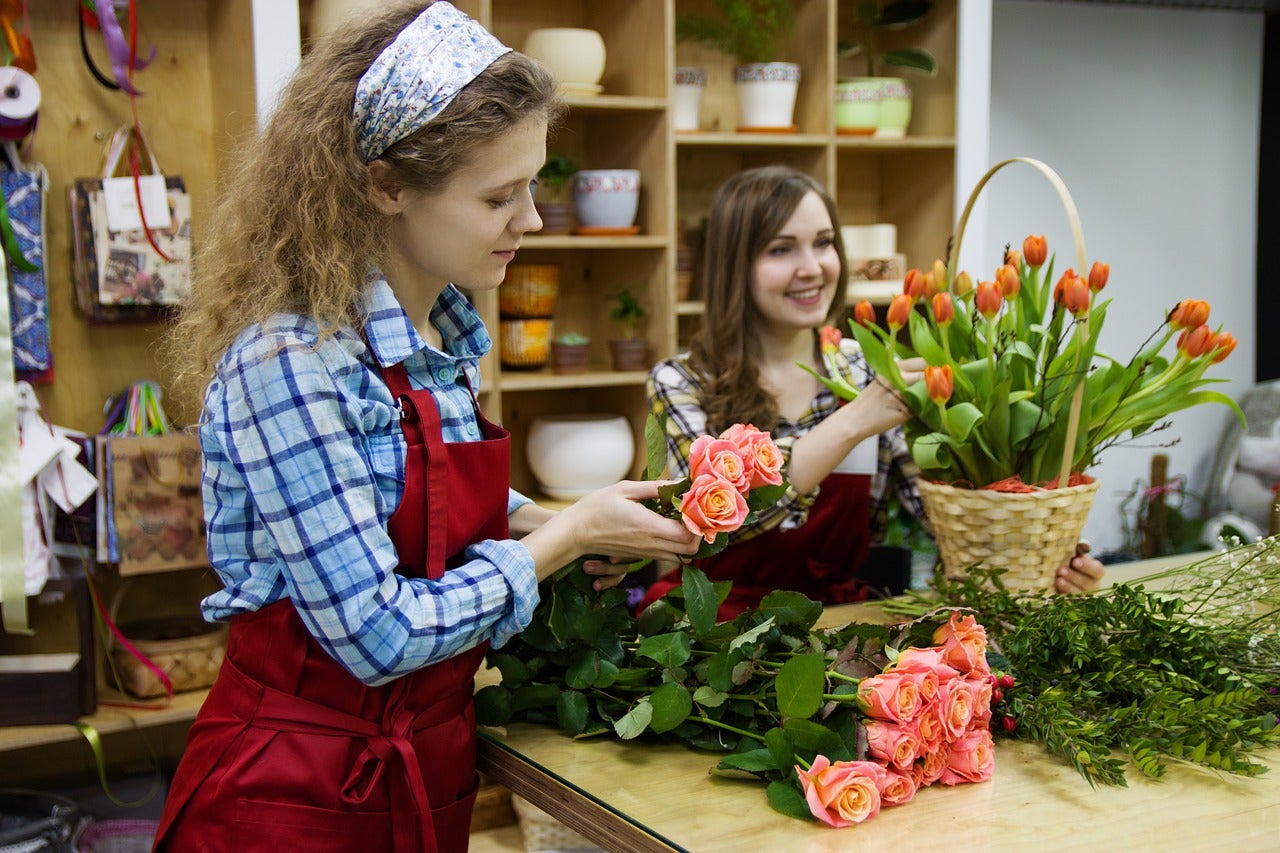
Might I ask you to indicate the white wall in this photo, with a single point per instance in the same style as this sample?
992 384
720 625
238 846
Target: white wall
1151 117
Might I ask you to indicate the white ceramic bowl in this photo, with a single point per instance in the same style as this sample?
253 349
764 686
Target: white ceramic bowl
606 198
574 454
574 55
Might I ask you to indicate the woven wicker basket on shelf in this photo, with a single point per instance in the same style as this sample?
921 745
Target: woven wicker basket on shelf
187 649
1028 534
542 832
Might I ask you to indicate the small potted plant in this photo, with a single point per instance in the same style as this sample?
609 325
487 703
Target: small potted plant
552 198
570 353
631 351
751 31
870 104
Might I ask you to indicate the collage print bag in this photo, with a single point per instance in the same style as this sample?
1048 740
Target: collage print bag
22 229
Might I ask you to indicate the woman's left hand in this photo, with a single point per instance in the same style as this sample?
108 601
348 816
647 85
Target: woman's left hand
1082 574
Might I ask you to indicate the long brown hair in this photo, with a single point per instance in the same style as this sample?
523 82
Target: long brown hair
748 211
296 230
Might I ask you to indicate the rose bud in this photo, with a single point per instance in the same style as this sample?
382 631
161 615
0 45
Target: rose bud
913 284
1035 250
939 275
1009 281
1098 274
864 313
1189 313
899 311
944 310
1223 344
988 299
938 382
829 339
964 284
1195 342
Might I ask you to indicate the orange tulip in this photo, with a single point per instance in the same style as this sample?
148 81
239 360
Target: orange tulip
864 313
899 311
829 339
1098 274
1012 258
1060 289
1072 293
1010 282
931 287
1196 342
1223 345
964 284
913 284
938 382
944 310
1189 313
939 275
1035 250
988 299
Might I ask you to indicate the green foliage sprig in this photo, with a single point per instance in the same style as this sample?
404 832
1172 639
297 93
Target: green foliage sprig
747 29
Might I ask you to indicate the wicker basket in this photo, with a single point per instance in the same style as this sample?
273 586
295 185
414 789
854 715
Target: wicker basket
187 649
524 343
1028 534
529 290
542 832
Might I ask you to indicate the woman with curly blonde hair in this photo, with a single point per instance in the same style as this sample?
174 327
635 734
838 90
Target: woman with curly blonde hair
358 511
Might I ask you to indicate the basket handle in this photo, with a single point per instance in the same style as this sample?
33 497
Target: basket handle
1077 234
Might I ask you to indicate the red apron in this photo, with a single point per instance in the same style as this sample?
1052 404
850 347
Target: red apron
290 751
820 558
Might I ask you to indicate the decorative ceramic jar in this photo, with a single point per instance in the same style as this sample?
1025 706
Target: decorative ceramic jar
572 455
529 290
895 108
606 198
524 342
575 56
766 94
690 83
858 106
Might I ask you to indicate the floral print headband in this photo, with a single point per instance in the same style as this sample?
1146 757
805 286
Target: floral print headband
418 74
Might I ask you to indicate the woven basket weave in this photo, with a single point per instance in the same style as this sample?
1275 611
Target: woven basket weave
187 649
1028 534
542 833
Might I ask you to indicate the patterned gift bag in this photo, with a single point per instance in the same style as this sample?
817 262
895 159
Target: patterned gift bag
24 190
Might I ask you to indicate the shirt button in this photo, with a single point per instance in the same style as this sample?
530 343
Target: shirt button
444 374
472 429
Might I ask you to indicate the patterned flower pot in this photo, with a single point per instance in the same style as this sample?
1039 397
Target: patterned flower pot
630 354
767 94
895 108
606 198
858 106
690 83
569 358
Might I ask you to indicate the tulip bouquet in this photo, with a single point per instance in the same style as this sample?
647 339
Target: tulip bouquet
1010 357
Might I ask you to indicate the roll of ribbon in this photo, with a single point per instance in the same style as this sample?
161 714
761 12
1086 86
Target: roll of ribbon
19 102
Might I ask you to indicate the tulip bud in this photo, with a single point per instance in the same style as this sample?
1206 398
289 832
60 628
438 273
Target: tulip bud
1012 258
988 300
1060 289
864 314
1189 313
913 284
1195 342
1072 293
1035 250
829 339
1009 281
899 310
931 288
964 284
1223 344
938 382
944 310
939 275
1098 274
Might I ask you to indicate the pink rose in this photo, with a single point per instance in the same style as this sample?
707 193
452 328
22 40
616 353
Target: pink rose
982 694
890 696
711 506
843 793
930 766
963 641
894 744
929 726
972 759
924 660
899 788
955 707
711 455
756 445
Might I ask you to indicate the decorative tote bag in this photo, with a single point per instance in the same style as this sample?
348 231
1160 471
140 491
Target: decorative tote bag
22 230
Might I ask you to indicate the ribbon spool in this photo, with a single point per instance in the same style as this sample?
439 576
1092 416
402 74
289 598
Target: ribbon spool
19 101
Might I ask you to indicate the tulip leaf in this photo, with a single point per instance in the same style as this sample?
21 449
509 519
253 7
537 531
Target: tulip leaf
669 650
571 712
754 761
877 356
632 724
786 799
493 705
923 341
671 705
799 685
963 418
699 600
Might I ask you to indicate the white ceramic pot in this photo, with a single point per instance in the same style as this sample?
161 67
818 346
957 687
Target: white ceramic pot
895 108
858 106
575 56
573 455
606 198
767 94
690 83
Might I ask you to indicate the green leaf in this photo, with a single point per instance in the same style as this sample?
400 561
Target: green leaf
568 612
655 442
584 671
634 722
792 609
755 761
671 705
752 635
708 697
514 671
493 706
571 711
763 497
699 600
668 650
781 748
812 738
786 798
799 685
656 618
534 696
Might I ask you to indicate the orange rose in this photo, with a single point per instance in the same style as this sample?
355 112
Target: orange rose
930 766
843 793
899 788
890 696
982 688
963 641
721 458
758 448
972 759
954 708
892 743
711 506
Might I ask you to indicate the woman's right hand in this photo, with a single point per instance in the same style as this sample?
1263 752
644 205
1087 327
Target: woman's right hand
880 406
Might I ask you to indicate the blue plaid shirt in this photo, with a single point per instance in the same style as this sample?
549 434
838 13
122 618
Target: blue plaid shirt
303 467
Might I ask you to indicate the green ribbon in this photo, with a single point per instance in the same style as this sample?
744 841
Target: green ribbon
95 743
10 240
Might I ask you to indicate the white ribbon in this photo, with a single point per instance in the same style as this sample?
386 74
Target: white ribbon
13 599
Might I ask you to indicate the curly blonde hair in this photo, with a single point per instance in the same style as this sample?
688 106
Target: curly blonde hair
296 230
747 212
